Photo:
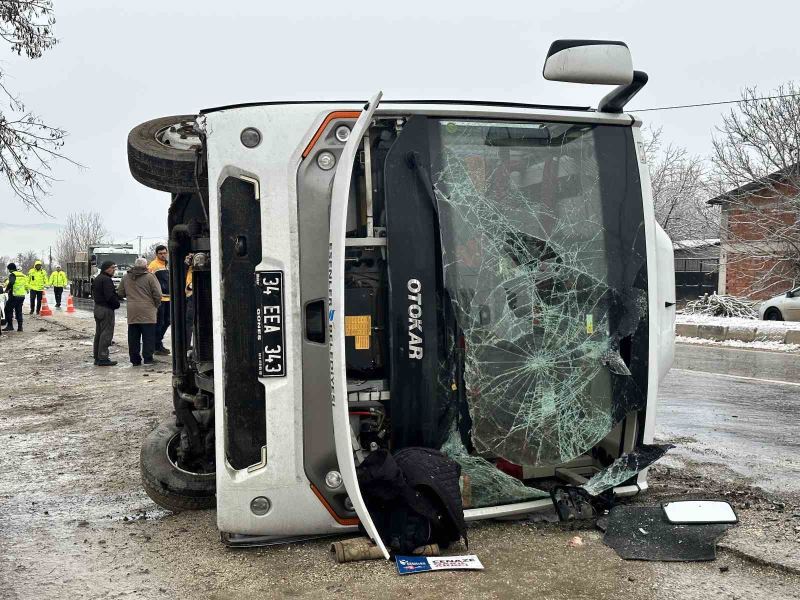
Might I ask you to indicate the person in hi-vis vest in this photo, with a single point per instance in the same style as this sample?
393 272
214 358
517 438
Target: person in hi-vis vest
58 279
37 280
16 288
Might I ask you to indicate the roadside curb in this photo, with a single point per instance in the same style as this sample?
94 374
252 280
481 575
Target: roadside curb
758 560
740 333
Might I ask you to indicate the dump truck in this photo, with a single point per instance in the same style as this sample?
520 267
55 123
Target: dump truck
86 266
482 278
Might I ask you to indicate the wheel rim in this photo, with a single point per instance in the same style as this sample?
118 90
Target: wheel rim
180 136
172 457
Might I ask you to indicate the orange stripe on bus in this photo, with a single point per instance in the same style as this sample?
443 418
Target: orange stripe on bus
342 114
336 517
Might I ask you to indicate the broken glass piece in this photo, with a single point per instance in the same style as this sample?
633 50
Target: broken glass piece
544 266
625 467
614 362
485 484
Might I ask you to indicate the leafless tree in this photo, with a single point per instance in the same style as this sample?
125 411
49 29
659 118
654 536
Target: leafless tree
28 145
25 260
680 190
80 230
757 177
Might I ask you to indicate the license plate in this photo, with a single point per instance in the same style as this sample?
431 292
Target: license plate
270 336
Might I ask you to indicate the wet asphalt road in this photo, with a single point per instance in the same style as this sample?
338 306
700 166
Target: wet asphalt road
737 408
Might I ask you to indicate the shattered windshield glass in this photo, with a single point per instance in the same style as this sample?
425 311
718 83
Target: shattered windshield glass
544 267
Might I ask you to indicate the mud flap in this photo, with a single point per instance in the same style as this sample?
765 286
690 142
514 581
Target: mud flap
346 443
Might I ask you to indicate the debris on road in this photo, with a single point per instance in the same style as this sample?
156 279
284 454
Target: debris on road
575 542
362 548
407 565
645 533
719 305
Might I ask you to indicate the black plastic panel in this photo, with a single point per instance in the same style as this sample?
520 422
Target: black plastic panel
240 241
413 261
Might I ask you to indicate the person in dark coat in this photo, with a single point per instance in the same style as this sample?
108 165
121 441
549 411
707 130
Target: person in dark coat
143 292
106 302
17 289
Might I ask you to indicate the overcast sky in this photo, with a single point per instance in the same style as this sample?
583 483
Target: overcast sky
119 64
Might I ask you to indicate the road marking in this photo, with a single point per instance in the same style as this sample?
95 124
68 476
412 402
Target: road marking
737 377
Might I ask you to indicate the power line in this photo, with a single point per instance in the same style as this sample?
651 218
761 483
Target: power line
714 103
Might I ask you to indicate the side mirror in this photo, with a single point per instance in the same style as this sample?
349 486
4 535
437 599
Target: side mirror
589 61
790 294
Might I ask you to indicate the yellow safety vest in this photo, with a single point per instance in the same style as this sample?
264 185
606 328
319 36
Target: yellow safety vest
20 284
37 279
58 279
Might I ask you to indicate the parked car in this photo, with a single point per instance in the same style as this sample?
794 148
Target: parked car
785 307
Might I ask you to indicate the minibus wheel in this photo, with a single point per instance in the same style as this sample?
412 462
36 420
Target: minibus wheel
163 153
167 484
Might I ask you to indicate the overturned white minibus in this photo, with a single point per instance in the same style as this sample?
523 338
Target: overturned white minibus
482 278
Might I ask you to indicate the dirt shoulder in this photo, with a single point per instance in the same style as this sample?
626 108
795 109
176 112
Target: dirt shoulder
75 522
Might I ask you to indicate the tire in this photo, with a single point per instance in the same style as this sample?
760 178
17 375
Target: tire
167 485
156 164
773 314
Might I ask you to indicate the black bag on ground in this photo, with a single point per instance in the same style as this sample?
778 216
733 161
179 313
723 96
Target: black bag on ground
413 498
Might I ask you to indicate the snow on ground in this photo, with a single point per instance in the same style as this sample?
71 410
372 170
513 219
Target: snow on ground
774 346
735 322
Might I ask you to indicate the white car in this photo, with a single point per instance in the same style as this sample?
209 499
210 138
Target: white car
785 307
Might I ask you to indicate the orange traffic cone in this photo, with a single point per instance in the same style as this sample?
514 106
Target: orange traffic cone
45 312
70 304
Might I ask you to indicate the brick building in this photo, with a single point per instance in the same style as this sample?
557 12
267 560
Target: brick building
759 225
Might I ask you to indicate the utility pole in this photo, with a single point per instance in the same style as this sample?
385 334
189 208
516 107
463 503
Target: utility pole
140 244
50 258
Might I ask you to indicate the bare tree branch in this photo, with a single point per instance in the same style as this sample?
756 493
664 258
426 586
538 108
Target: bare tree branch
25 260
28 145
80 230
680 190
756 162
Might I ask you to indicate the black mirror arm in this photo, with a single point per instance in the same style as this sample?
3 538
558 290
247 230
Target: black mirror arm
616 99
